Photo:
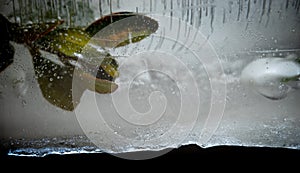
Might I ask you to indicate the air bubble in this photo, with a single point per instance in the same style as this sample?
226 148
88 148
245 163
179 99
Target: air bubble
267 76
24 103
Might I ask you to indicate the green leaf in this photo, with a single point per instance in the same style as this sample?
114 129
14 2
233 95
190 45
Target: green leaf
121 29
32 32
104 86
100 86
55 82
63 86
103 22
110 66
135 39
66 43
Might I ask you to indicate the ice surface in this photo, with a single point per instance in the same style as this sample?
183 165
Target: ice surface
181 85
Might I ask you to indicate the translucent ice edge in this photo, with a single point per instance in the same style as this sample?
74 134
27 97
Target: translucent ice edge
82 145
34 152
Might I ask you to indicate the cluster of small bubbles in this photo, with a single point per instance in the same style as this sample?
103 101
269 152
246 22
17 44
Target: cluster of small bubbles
282 87
54 68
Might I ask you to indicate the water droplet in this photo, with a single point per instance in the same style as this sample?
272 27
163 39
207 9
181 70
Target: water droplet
51 79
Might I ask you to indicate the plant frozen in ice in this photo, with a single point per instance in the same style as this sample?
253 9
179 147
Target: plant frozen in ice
55 80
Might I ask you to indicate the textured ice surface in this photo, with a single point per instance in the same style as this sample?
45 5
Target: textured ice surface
179 86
